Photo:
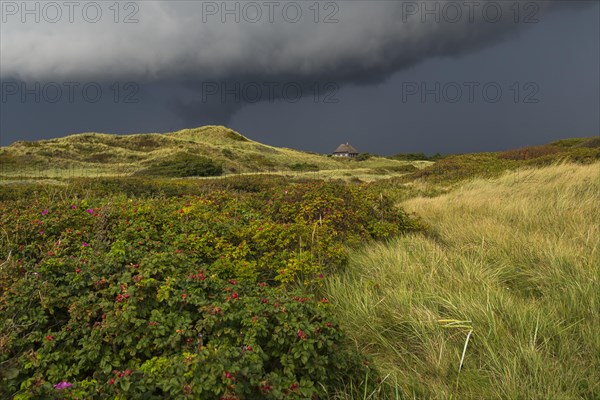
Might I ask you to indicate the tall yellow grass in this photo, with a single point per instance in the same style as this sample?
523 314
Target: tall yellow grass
516 262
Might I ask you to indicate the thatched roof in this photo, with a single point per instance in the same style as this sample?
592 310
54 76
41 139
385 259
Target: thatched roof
346 148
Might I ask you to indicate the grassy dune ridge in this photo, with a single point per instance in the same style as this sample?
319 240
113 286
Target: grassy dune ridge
97 154
510 276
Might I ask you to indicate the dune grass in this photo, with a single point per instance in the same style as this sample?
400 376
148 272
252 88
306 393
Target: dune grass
500 301
96 154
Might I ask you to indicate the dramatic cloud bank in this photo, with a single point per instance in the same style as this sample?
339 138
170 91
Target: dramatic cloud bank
187 43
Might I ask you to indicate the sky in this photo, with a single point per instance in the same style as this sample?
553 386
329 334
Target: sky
386 76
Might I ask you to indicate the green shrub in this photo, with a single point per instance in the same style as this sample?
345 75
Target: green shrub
304 167
363 157
163 328
417 157
111 293
184 165
187 296
228 153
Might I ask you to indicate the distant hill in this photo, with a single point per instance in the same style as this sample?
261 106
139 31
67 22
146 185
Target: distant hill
492 164
216 150
106 154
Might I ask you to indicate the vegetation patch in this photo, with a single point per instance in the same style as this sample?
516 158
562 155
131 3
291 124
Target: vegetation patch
183 165
416 157
495 302
216 295
304 167
491 165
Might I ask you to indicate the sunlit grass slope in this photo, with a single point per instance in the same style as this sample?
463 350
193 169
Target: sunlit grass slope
502 301
97 154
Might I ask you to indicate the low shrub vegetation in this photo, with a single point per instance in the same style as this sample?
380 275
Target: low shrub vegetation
183 165
304 167
363 157
416 157
195 296
456 168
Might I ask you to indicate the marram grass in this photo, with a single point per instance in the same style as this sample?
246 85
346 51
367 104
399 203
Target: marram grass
501 302
105 155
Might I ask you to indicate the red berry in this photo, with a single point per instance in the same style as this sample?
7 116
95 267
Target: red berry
234 295
111 381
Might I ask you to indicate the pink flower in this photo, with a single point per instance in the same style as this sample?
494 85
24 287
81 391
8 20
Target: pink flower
73 207
85 244
89 211
45 212
62 385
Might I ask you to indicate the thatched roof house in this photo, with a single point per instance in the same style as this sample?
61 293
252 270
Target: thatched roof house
345 150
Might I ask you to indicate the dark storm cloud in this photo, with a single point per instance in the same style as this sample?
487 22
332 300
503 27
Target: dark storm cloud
194 46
